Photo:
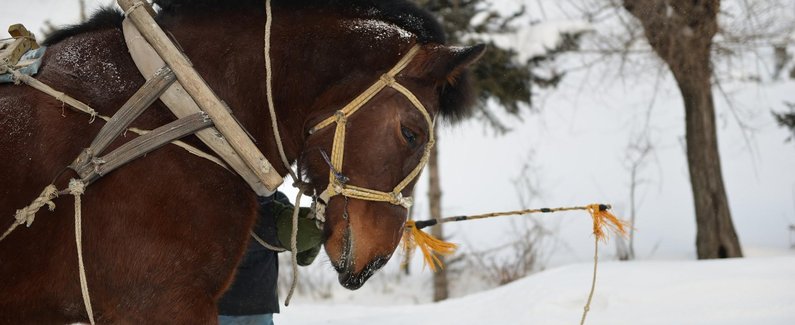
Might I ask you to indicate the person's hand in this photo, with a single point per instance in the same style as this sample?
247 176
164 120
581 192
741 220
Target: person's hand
309 239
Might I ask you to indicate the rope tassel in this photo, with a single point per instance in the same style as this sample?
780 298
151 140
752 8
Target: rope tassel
430 246
603 219
413 236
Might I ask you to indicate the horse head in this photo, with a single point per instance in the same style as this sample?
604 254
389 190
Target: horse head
368 155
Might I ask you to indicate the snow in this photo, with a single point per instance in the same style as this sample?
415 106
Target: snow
376 29
720 292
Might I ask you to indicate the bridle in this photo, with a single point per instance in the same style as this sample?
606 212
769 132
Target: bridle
338 184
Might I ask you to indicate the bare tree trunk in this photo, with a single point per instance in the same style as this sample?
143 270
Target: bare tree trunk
408 252
716 237
632 211
83 16
440 284
681 32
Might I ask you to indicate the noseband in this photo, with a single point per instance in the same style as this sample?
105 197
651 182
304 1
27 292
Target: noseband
338 185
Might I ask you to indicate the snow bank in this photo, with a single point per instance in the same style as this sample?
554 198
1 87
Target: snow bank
725 292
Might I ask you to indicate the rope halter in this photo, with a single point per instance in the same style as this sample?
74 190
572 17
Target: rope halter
339 186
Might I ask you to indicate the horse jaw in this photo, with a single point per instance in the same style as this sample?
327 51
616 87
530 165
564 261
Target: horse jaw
355 247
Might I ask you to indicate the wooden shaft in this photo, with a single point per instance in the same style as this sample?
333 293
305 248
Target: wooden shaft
133 108
145 144
202 94
147 61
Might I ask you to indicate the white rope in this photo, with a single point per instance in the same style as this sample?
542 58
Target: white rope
294 247
77 188
265 244
279 145
132 8
269 90
27 214
60 96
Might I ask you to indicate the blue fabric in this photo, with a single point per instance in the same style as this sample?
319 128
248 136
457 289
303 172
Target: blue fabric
262 319
30 69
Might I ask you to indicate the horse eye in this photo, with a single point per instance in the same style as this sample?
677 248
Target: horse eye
408 135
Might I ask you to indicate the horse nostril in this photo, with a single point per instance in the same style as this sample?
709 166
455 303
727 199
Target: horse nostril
354 281
377 263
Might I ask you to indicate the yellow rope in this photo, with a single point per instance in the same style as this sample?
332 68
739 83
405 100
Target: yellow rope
429 245
415 237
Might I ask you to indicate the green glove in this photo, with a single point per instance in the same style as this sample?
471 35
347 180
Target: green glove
309 239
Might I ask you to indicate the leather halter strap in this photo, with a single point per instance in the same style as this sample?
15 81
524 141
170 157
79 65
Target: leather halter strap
338 186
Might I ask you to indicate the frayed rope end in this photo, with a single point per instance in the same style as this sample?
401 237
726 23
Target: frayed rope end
429 245
603 220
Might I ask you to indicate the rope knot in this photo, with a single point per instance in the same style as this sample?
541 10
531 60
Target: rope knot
27 214
132 8
76 187
603 219
430 246
16 77
341 117
388 79
398 199
337 188
97 162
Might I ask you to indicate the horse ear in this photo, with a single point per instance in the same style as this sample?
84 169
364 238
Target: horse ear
446 63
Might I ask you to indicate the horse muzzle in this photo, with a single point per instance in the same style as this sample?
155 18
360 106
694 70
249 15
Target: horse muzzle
353 281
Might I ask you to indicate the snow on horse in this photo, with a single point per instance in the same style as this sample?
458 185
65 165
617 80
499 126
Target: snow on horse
163 234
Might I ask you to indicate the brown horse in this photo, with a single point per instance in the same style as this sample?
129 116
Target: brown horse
162 235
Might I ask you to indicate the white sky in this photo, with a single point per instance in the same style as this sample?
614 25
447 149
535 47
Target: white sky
579 139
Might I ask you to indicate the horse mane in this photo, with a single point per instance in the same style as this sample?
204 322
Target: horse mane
103 18
401 13
455 98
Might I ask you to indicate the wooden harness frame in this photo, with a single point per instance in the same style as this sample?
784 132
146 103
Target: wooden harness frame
203 112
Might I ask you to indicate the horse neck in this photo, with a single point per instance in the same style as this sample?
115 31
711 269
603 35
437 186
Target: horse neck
308 59
229 56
